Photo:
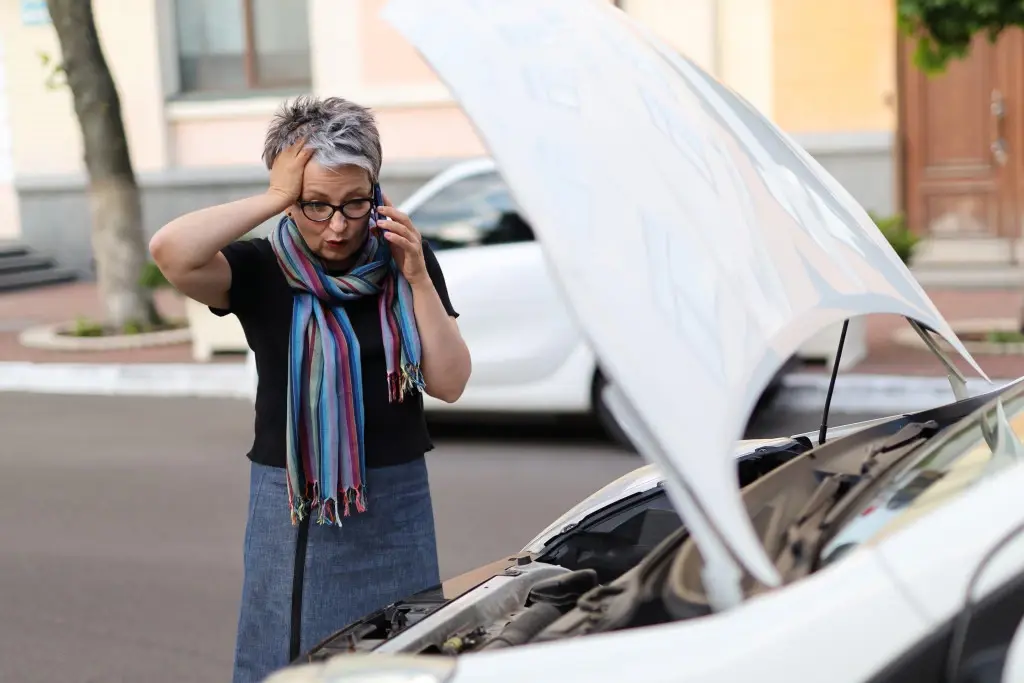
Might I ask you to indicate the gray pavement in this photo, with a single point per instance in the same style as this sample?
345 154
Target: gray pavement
121 524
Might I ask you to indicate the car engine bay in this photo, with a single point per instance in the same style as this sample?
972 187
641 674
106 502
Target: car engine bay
629 564
566 589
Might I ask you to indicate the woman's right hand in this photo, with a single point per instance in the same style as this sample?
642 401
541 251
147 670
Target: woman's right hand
286 172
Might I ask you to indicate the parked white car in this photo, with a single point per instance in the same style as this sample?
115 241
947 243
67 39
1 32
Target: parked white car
697 247
527 353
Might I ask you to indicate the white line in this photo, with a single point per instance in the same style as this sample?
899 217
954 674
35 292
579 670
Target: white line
217 380
857 393
854 393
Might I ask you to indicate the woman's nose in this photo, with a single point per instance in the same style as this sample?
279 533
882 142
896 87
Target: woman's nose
338 222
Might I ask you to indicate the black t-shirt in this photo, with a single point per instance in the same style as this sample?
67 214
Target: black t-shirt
395 432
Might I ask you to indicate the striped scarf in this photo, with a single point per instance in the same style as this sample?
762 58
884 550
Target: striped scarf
326 464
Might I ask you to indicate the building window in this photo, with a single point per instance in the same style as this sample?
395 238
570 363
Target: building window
230 46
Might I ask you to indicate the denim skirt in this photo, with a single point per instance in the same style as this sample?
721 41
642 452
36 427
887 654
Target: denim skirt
372 560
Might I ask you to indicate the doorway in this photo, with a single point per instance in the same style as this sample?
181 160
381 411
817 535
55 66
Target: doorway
961 135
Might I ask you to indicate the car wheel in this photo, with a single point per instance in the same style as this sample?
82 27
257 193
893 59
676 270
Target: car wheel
605 417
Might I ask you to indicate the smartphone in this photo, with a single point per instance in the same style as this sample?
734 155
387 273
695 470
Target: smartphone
378 200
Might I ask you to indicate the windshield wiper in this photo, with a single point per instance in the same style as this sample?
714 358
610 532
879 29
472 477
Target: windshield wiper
838 492
887 454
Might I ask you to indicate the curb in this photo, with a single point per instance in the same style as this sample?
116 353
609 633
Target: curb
216 380
875 394
801 392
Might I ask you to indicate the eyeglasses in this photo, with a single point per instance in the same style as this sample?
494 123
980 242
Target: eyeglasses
321 212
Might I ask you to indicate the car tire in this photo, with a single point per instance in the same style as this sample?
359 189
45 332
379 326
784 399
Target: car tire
604 415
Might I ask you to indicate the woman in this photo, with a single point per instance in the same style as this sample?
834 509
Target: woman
347 313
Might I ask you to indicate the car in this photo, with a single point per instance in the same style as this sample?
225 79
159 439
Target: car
529 357
887 551
582 575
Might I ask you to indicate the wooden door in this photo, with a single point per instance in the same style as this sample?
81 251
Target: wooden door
961 142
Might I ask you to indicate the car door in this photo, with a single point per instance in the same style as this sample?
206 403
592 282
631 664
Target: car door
511 316
974 646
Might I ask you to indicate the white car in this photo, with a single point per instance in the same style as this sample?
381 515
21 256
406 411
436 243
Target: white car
529 356
719 246
527 353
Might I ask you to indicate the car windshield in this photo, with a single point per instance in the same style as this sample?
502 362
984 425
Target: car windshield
937 475
466 213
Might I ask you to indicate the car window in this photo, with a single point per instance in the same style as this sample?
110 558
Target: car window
979 655
474 211
928 481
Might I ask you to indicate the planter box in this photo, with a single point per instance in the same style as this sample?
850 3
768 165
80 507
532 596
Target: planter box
821 348
251 374
212 333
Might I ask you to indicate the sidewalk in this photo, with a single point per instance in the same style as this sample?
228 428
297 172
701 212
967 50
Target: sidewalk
885 357
893 378
63 303
21 310
157 371
890 378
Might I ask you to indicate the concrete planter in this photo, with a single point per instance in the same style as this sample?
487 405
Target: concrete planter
251 375
212 333
58 337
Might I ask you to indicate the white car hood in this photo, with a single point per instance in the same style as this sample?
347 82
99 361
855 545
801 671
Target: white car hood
697 245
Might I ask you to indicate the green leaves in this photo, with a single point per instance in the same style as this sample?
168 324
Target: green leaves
56 76
152 277
944 29
899 236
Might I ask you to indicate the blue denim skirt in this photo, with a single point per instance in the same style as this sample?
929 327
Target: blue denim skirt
373 559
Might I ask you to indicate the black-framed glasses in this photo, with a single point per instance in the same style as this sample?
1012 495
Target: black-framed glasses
353 209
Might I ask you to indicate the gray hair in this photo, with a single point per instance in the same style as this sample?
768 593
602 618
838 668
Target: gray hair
342 133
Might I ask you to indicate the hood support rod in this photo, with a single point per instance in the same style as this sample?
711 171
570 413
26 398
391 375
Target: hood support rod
832 382
956 378
1001 438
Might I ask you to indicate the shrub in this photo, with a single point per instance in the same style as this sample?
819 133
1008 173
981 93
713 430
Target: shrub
152 278
899 236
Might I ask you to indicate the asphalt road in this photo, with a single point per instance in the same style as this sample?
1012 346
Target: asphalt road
121 524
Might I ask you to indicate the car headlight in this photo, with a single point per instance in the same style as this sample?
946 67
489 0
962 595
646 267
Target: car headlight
369 668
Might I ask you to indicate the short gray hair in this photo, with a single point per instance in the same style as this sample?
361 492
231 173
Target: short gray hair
342 133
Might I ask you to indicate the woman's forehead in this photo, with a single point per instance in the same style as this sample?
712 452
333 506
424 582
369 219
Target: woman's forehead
336 182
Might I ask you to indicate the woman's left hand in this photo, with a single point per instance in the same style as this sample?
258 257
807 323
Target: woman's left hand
406 242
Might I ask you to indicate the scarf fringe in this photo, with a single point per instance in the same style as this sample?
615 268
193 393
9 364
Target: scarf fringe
401 383
327 509
299 511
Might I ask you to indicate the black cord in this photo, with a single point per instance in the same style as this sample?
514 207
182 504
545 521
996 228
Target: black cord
298 581
963 619
832 383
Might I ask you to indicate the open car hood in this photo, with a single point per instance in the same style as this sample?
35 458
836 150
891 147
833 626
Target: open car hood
697 245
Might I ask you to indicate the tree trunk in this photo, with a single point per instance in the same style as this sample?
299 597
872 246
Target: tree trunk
117 239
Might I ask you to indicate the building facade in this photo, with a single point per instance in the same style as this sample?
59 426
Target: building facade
200 79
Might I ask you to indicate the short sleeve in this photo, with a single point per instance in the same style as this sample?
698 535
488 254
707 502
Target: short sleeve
247 260
437 277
